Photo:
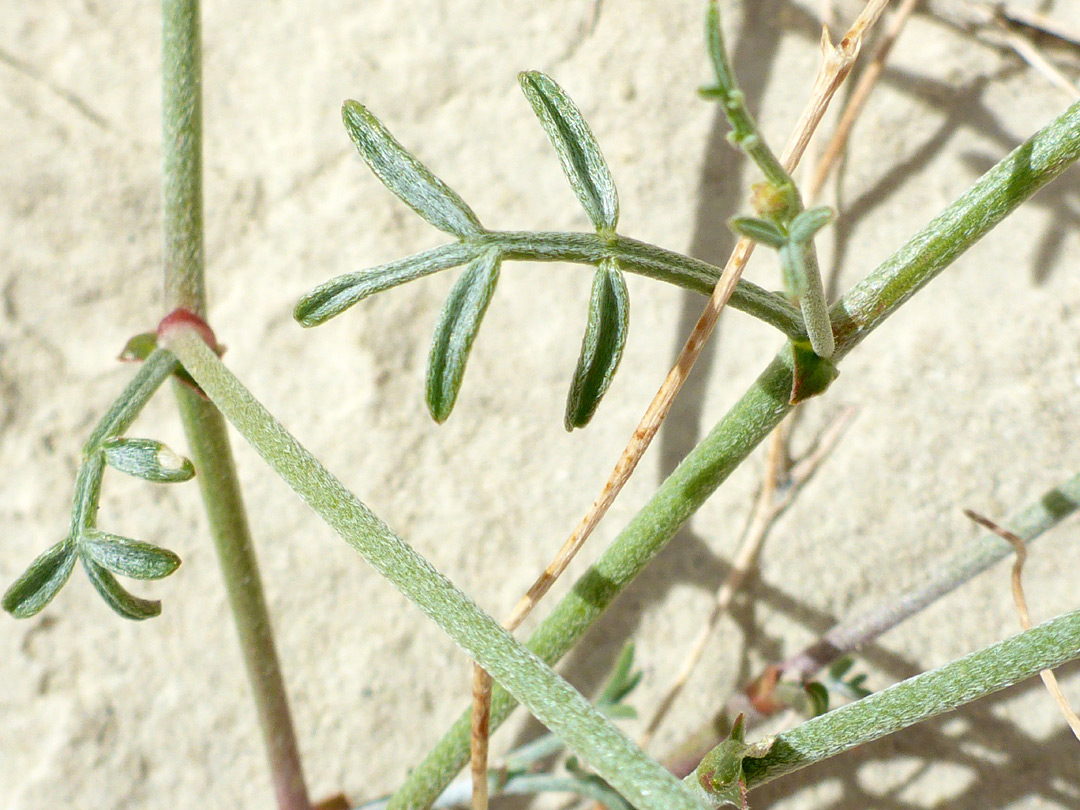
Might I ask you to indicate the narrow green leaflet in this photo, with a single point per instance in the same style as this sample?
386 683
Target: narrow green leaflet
338 294
602 346
126 604
41 581
129 558
454 336
576 147
809 222
760 230
147 459
406 176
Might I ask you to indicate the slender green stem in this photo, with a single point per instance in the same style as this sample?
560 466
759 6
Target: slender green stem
1035 163
151 374
550 698
203 425
744 130
646 260
181 75
932 693
779 199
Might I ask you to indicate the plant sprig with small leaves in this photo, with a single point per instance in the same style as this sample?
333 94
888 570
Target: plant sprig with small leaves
782 224
104 555
483 251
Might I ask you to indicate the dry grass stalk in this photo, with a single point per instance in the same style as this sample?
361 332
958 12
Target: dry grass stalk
1048 677
838 143
995 26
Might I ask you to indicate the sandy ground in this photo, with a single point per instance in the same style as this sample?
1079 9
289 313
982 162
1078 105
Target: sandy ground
968 397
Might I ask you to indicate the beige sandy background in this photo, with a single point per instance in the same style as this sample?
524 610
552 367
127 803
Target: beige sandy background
968 397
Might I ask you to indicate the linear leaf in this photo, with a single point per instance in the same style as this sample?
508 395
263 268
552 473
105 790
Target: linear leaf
457 328
41 581
147 459
338 294
760 230
809 222
124 603
406 176
129 558
602 346
576 147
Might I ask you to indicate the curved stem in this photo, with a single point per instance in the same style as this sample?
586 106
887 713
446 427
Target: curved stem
203 425
646 260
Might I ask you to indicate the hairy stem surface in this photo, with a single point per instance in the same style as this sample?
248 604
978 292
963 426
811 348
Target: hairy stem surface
205 429
932 693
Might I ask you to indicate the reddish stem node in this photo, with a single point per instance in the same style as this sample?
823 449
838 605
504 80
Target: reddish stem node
184 318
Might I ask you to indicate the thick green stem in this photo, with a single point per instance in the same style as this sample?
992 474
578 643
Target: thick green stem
1035 163
205 429
554 702
932 693
181 101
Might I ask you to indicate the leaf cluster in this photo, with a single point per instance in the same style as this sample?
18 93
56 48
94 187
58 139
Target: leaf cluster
105 556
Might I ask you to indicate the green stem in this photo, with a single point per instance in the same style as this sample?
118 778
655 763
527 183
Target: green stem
1038 161
203 425
932 693
550 698
744 130
646 260
154 371
181 102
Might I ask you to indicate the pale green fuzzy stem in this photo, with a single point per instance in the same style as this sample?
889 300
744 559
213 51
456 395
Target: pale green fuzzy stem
151 374
646 260
646 783
1012 181
207 437
974 676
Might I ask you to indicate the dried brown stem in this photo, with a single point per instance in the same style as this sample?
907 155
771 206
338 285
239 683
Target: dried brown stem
1048 677
481 732
995 26
855 104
